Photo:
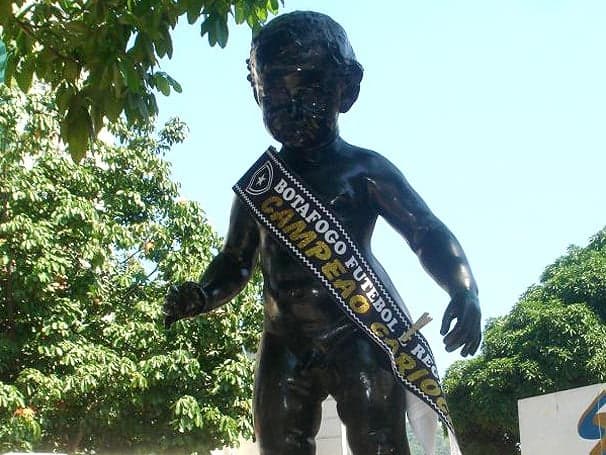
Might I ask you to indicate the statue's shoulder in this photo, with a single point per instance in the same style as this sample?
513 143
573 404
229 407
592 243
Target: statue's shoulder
370 161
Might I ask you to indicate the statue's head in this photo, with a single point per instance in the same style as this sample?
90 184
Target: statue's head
304 73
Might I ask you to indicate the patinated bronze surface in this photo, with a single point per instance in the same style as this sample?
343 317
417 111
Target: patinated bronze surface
304 74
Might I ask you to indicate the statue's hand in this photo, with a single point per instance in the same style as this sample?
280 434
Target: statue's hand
465 308
183 301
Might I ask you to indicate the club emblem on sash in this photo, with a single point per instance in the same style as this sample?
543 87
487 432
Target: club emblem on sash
261 180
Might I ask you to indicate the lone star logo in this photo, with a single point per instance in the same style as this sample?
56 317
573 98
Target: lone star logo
261 180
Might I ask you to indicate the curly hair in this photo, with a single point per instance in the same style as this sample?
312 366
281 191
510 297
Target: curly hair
308 34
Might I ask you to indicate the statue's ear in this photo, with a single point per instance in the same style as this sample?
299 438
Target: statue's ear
254 89
252 84
351 88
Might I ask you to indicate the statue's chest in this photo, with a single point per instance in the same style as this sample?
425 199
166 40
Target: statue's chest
342 189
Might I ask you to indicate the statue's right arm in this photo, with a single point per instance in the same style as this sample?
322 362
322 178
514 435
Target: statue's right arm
226 275
231 269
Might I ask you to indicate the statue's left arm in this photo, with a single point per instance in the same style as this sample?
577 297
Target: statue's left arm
438 250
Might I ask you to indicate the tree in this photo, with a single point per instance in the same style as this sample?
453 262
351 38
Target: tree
552 340
86 252
100 57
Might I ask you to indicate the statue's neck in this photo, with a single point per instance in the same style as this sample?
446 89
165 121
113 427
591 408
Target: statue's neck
314 154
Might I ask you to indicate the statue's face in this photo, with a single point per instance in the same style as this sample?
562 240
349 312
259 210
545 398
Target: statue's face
298 96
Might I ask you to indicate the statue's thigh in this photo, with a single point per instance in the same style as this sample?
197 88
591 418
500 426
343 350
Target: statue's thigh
287 402
370 402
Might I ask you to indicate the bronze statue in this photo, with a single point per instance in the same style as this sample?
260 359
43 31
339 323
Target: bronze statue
304 73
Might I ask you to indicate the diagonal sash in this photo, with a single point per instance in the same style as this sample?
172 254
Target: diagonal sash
312 233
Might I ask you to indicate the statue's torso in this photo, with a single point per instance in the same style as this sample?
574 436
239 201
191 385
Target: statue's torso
296 303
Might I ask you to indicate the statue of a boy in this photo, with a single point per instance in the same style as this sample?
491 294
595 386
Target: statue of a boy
304 73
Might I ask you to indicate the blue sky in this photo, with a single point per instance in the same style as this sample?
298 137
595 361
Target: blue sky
494 111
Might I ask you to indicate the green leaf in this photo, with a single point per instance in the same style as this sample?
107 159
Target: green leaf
3 59
6 10
194 10
168 42
113 107
76 128
71 71
162 83
174 84
240 12
25 75
130 75
221 31
64 96
97 120
261 13
273 6
206 27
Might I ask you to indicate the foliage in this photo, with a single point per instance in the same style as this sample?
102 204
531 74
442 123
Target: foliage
86 252
2 60
101 57
553 339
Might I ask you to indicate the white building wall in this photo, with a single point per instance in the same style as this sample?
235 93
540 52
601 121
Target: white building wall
549 423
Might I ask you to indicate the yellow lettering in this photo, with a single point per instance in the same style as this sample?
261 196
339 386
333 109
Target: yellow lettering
393 345
430 387
332 270
379 329
412 377
441 403
359 304
266 206
282 217
297 234
405 362
345 286
320 250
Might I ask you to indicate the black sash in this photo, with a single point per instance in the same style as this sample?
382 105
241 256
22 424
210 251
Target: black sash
312 233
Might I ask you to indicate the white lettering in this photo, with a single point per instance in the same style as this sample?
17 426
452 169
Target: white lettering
288 194
359 274
379 304
366 285
313 216
280 186
372 294
331 236
391 324
427 361
340 248
322 226
418 351
303 210
297 201
351 262
386 315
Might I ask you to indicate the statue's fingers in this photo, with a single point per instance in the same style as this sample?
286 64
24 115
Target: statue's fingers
449 315
476 344
472 345
455 344
467 348
454 339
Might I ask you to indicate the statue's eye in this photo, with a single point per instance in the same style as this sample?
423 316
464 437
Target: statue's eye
276 95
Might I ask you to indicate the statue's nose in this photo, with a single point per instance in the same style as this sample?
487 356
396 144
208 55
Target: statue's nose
295 107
